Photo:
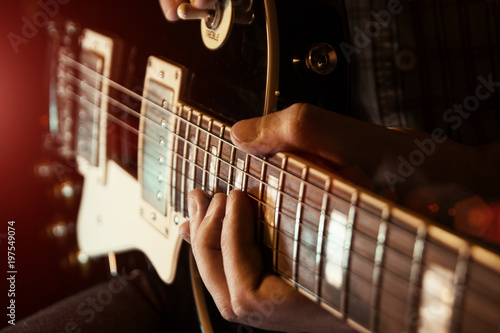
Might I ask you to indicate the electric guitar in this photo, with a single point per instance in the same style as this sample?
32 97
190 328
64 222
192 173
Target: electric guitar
144 107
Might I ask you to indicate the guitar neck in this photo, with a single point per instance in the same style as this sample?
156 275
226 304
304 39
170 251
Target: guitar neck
361 257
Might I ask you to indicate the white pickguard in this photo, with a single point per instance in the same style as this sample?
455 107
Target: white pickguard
114 215
111 220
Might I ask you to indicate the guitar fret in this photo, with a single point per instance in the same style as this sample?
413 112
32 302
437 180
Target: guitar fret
175 155
347 251
184 163
196 148
298 218
206 157
262 213
277 212
414 281
321 234
230 175
261 188
459 286
244 181
218 161
377 269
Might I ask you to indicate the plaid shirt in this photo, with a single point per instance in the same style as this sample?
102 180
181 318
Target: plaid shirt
427 64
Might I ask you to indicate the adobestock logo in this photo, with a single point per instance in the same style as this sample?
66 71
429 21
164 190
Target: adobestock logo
31 27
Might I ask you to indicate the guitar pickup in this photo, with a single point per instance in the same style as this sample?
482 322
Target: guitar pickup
97 67
164 83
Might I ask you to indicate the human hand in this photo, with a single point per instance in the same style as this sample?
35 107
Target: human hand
221 232
222 239
417 169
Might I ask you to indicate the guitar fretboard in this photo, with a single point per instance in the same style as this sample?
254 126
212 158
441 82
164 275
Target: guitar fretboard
368 261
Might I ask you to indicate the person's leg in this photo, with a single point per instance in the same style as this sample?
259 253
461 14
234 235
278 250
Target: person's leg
139 302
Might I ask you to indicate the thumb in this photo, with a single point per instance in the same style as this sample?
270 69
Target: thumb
303 128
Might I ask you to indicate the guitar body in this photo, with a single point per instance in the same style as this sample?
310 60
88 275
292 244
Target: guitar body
145 108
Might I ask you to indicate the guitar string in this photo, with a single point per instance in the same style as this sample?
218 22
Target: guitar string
208 171
212 136
188 123
358 285
336 263
130 111
226 182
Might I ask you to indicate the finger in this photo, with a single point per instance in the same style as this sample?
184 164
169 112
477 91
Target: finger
303 127
169 8
198 202
242 257
206 246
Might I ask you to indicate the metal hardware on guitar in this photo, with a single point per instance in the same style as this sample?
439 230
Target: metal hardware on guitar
211 17
321 59
216 22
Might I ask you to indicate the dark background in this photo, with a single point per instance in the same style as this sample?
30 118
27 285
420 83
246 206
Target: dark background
45 264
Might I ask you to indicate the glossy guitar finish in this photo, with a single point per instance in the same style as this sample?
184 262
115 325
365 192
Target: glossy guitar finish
361 257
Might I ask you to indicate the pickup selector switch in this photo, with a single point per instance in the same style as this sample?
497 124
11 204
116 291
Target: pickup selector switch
216 22
211 17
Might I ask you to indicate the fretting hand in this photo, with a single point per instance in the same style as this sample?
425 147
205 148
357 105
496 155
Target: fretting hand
221 231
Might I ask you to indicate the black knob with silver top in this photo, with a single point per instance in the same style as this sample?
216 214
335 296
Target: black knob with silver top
321 59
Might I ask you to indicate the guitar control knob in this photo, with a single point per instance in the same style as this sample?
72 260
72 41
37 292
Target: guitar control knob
321 59
216 22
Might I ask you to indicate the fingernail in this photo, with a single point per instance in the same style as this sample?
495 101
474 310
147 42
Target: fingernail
229 202
192 207
246 131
